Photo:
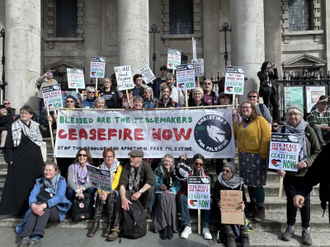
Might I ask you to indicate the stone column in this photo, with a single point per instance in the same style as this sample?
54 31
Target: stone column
133 33
23 49
248 40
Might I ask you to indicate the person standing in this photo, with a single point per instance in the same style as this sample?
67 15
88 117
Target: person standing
6 119
110 94
89 101
23 154
159 82
138 90
43 81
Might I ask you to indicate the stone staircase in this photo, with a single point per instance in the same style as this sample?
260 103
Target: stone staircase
267 233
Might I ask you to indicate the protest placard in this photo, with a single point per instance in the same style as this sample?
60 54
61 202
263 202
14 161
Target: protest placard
52 95
194 48
124 77
231 212
198 66
97 67
199 190
147 74
100 178
293 95
284 151
185 77
208 131
173 58
234 80
312 95
75 78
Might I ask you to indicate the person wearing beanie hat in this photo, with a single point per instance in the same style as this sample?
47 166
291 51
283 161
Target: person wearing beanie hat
197 98
228 179
309 150
319 120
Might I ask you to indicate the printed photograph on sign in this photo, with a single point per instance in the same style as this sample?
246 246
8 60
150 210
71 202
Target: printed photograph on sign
185 77
293 95
234 80
284 151
100 178
312 95
52 94
199 190
76 78
173 58
198 66
97 67
124 77
147 74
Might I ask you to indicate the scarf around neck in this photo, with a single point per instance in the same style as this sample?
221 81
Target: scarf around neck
232 183
134 181
80 176
199 173
32 132
51 185
300 131
113 168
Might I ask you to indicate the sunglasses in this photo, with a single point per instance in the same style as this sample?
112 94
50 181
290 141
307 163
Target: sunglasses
69 101
207 83
252 96
6 103
82 155
225 171
198 164
275 126
91 92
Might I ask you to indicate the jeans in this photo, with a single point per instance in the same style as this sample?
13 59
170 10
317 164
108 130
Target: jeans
272 100
42 117
321 135
70 193
185 216
290 183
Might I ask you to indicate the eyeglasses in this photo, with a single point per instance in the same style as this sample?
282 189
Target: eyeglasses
108 157
69 101
198 164
6 103
252 96
246 107
82 155
275 126
225 171
207 83
92 92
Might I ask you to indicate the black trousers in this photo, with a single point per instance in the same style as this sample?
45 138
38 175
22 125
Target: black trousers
35 224
290 183
272 100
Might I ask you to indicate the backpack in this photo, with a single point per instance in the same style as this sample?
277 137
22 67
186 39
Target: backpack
134 221
82 209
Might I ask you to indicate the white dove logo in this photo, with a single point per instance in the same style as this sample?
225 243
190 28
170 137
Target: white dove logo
216 133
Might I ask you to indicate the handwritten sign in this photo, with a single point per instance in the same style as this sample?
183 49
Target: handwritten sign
198 66
234 80
194 48
97 67
231 212
100 178
185 77
75 78
173 58
199 190
147 74
52 95
284 151
124 77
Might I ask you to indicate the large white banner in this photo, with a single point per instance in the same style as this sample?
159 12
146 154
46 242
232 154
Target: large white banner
208 131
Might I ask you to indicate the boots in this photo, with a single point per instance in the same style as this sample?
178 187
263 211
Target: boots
245 240
251 210
107 231
231 240
94 229
260 215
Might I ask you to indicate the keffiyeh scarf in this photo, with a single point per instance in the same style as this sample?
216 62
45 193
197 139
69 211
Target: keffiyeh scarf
32 132
113 168
134 184
231 183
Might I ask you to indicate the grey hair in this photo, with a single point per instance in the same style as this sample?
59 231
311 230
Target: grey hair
294 111
138 97
106 79
208 81
170 75
97 100
150 90
88 89
171 157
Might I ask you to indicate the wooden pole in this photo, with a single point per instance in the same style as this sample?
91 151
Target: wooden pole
199 221
186 97
96 82
51 131
281 187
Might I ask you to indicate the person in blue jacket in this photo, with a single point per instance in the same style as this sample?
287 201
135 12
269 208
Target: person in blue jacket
47 202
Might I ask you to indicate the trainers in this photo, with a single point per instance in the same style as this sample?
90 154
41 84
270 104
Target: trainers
306 236
186 232
207 234
114 234
35 242
148 214
288 234
24 242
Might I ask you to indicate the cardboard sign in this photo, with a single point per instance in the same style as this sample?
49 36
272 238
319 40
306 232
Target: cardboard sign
194 48
97 67
199 190
234 80
124 77
198 66
284 151
52 95
185 77
231 212
147 74
76 78
173 58
100 178
312 95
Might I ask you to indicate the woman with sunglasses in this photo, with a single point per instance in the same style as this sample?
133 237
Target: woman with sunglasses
89 101
198 170
262 109
78 179
228 179
210 97
253 135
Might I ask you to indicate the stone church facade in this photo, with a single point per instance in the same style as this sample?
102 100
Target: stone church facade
60 34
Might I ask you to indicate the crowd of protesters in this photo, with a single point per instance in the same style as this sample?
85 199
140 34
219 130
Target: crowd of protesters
59 185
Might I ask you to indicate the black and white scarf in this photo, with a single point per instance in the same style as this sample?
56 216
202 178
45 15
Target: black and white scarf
113 168
134 181
232 183
32 132
199 173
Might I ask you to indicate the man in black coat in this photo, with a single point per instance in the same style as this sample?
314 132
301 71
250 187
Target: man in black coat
6 119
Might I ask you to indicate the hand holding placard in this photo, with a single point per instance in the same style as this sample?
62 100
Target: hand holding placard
231 207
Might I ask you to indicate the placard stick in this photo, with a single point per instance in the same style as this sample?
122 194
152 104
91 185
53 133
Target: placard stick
127 96
186 97
281 187
199 221
51 131
96 82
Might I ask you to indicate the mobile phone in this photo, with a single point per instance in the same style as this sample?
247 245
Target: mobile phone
50 73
